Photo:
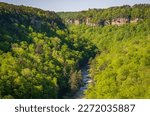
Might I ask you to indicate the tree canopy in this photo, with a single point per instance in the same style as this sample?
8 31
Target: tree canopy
41 56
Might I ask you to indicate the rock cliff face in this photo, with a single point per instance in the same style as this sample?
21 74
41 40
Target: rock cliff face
135 20
87 21
120 21
118 15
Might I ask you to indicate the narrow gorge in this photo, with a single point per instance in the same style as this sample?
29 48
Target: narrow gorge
92 54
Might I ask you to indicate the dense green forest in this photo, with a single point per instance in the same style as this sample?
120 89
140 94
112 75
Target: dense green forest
121 69
41 56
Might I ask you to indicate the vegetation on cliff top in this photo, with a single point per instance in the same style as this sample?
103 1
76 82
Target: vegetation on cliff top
100 16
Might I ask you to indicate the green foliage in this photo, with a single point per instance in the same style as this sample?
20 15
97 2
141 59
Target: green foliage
38 58
41 58
121 69
17 22
75 81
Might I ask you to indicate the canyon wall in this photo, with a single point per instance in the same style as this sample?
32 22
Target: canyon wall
88 22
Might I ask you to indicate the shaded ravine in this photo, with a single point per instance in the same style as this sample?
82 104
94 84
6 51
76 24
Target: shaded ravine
86 80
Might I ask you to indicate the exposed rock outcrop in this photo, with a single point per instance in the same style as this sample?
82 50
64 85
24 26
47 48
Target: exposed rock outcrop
87 21
107 22
120 21
135 20
77 22
69 21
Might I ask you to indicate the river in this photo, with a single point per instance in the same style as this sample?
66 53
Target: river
86 81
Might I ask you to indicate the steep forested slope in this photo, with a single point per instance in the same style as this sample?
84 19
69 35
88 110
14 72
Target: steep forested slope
38 56
121 69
